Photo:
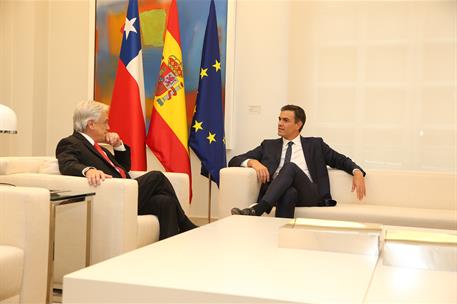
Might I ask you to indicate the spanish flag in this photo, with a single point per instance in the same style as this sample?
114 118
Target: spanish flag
168 131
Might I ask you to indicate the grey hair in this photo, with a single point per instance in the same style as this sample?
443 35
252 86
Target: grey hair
87 110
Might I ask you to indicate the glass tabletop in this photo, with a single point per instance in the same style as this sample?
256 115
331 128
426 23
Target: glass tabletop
59 195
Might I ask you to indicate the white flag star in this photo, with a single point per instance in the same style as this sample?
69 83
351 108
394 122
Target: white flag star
128 27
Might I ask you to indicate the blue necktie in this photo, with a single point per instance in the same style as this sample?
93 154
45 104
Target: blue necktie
288 152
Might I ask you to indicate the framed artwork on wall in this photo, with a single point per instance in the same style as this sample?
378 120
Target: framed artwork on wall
109 21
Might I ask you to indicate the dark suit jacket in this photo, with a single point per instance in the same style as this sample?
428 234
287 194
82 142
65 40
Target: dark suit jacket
75 152
318 156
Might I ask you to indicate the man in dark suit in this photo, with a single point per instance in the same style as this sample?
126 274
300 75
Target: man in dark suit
81 155
293 169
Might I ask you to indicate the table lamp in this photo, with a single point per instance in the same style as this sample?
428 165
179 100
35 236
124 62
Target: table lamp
8 120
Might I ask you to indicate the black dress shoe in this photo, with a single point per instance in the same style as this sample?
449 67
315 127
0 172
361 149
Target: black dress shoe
328 203
245 211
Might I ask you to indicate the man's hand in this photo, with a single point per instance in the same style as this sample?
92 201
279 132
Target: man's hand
358 184
262 172
113 139
96 177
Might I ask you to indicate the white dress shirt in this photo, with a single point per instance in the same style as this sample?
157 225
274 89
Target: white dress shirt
297 157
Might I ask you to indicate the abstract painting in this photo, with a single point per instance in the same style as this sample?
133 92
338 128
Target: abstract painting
110 17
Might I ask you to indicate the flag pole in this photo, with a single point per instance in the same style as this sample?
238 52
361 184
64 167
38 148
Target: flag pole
209 198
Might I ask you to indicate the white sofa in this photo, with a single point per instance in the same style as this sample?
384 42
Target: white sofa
404 198
24 244
116 227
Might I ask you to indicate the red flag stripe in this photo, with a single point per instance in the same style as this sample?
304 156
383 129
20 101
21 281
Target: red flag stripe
180 162
126 103
173 22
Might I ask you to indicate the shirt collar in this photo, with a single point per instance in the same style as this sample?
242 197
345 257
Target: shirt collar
89 139
296 140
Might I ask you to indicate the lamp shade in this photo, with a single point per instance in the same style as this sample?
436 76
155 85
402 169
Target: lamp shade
8 120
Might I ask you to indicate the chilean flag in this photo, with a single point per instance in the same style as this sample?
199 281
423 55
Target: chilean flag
126 111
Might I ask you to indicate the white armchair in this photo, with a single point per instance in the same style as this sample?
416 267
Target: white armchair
238 187
116 226
24 244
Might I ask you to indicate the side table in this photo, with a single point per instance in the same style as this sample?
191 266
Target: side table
60 198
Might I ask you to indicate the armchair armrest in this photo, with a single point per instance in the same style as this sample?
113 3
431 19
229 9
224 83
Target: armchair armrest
24 223
180 183
238 187
114 209
136 174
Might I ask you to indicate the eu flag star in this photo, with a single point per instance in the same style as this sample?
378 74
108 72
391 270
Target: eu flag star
203 73
217 65
197 125
211 137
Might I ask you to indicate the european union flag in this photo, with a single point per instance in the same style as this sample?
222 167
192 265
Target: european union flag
207 137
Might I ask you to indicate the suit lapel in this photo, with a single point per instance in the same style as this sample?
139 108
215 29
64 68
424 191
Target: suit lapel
91 147
277 150
308 152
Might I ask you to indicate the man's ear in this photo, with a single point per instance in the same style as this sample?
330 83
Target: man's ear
90 124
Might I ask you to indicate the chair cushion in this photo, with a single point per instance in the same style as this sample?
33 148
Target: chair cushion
16 165
12 263
49 166
388 215
148 230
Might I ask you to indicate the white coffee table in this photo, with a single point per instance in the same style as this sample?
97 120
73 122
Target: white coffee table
401 285
236 259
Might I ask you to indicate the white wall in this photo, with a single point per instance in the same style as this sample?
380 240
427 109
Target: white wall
24 74
45 70
261 70
70 44
378 79
5 64
370 74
